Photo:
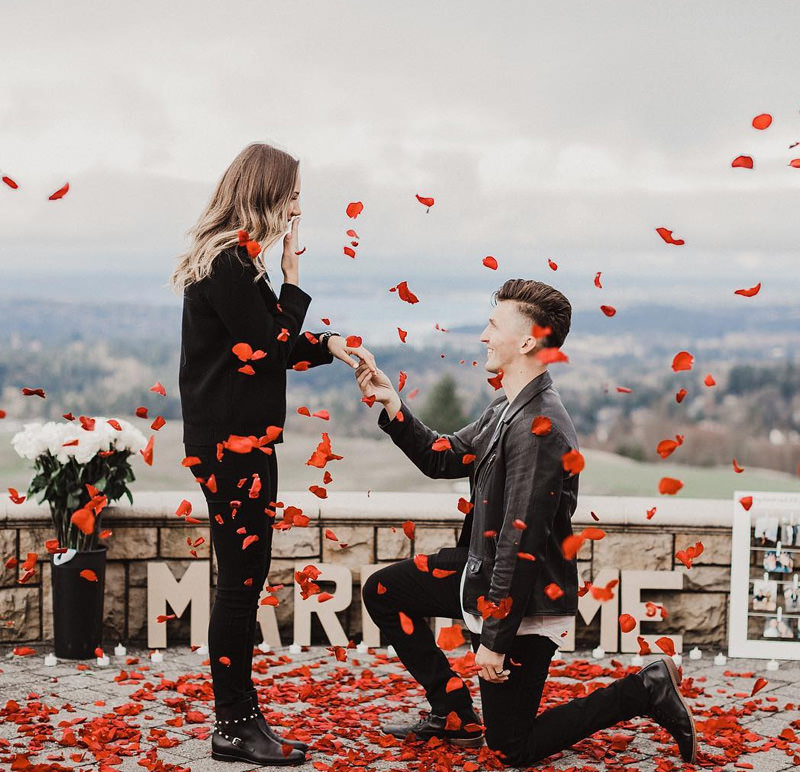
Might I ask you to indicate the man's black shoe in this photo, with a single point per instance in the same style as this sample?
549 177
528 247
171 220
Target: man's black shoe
244 740
469 733
271 733
667 706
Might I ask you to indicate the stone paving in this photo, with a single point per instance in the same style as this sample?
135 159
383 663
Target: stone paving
135 715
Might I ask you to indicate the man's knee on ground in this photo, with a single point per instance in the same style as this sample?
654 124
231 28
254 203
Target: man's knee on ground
508 748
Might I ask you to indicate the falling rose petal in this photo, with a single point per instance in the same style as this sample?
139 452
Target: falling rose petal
426 201
408 529
520 525
88 575
381 590
370 401
680 396
354 209
468 458
323 414
624 390
349 251
158 422
11 184
353 235
490 262
742 162
318 491
141 412
553 591
651 513
402 333
626 623
303 410
246 370
669 486
573 461
709 380
401 381
666 448
406 623
323 596
253 248
597 280
225 661
667 236
450 638
454 684
496 381
550 355
748 293
608 310
759 685
541 425
644 646
441 444
682 361
442 573
147 451
762 121
248 540
666 645
795 163
526 556
404 293
60 193
746 502
421 562
158 388
15 497
301 366
736 468
26 392
553 265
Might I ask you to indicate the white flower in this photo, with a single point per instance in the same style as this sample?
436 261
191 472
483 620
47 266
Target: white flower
36 439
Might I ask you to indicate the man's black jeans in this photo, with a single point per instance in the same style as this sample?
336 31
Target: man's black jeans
241 571
509 708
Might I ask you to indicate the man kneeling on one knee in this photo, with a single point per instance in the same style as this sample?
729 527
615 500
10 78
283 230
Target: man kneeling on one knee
507 577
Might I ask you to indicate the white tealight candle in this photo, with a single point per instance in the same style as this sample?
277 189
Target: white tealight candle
201 650
103 661
390 651
677 659
637 660
295 648
362 648
599 652
120 650
773 664
50 660
720 659
695 653
156 657
264 647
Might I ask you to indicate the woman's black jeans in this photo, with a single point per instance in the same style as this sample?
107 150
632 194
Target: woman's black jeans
239 509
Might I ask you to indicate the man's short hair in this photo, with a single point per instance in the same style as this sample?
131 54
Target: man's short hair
542 305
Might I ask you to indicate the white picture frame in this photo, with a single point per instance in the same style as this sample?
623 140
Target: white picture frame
747 568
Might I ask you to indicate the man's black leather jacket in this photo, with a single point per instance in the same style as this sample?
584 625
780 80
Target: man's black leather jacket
523 501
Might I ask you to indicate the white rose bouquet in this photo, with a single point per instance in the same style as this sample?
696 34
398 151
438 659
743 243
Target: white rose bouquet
80 466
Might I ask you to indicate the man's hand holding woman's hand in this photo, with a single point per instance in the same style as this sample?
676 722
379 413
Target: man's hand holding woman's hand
377 384
337 345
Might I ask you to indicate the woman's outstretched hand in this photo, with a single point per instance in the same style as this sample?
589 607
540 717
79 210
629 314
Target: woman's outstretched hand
337 345
290 262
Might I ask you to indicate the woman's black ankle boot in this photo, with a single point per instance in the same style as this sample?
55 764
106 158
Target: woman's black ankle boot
271 733
243 740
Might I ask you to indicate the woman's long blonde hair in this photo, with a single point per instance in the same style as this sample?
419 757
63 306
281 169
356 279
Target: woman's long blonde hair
254 195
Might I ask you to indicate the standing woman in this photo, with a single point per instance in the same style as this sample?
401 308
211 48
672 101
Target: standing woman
238 340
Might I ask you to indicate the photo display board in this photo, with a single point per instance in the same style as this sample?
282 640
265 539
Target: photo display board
765 576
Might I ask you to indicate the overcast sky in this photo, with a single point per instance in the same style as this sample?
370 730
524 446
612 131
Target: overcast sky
563 130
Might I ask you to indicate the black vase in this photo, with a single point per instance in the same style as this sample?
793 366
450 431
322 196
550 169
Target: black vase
78 604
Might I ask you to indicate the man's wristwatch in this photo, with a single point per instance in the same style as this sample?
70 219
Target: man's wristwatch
323 338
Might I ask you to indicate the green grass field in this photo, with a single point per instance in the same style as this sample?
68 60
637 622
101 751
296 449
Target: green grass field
374 463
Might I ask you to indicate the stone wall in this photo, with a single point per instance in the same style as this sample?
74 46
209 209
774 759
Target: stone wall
371 526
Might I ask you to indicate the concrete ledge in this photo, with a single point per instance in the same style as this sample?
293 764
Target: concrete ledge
382 506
